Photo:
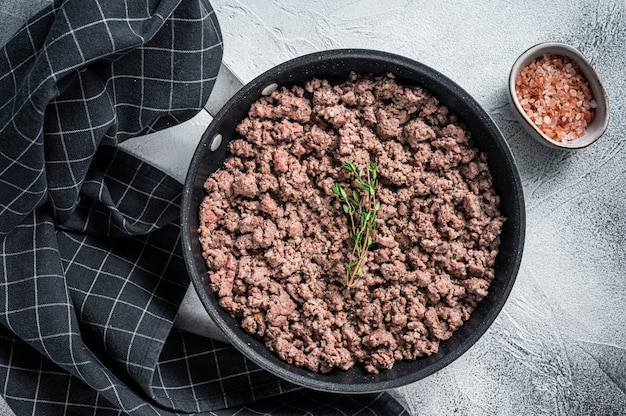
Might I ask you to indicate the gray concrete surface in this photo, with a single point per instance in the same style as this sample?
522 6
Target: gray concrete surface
559 345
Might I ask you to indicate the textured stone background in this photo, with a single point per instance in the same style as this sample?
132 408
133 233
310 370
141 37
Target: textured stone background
559 345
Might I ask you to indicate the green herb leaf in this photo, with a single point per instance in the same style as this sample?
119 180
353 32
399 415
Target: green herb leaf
356 197
364 186
355 206
350 168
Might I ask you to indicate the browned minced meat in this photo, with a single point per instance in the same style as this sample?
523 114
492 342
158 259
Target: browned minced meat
275 238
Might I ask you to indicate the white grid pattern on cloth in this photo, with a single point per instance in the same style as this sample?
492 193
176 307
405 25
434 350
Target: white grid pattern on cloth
54 75
132 189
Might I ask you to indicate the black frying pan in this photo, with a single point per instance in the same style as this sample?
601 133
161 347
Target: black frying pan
335 65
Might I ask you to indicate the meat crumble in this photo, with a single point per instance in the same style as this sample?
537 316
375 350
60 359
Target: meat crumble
275 238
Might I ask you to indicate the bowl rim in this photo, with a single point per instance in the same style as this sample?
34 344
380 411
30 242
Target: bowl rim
336 57
575 54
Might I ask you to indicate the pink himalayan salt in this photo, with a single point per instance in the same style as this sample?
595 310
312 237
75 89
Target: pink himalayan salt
556 97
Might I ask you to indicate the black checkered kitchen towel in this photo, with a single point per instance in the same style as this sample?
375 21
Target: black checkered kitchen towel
91 268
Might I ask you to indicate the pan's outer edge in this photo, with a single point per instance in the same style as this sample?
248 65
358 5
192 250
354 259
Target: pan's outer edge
313 380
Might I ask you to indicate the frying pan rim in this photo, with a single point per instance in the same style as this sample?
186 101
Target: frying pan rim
317 382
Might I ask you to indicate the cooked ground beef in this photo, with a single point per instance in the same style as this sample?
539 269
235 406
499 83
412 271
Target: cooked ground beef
275 238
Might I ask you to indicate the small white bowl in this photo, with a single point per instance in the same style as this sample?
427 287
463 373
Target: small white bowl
600 121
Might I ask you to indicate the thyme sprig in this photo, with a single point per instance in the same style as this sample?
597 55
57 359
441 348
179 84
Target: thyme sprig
362 214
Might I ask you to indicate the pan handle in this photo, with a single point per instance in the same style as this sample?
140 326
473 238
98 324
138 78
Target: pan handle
192 316
226 85
171 149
